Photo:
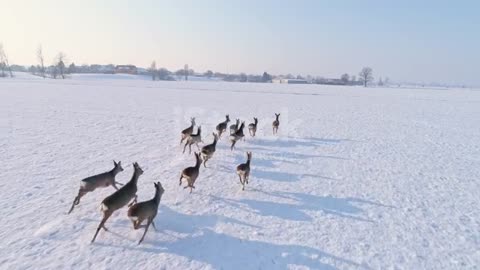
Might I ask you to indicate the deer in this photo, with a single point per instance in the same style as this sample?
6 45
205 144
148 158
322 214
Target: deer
252 127
243 171
91 183
276 123
146 210
188 131
234 127
120 198
209 150
237 136
223 126
191 173
193 139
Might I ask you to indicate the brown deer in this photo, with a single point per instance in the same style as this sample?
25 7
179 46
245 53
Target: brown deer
276 123
193 139
188 131
237 136
91 183
120 198
209 150
146 210
252 127
222 126
191 173
243 171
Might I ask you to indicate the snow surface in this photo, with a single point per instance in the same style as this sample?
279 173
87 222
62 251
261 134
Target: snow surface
356 178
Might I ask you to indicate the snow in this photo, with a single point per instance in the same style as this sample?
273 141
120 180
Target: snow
356 179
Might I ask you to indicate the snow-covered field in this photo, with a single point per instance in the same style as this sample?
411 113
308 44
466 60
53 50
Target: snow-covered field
356 178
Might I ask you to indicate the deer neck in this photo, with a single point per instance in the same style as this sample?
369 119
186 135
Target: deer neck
197 165
157 197
114 172
135 177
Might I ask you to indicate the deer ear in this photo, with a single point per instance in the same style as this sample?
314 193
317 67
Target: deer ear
114 163
155 184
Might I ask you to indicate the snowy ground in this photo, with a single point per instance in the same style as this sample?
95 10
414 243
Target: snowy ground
356 179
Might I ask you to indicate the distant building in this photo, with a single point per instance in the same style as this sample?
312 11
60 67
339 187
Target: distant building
289 81
126 69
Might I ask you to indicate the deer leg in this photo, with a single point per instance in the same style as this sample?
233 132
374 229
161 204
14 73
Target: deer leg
114 185
137 224
133 202
73 204
153 224
183 138
181 176
185 147
106 215
146 229
239 177
233 145
205 162
190 149
76 201
198 147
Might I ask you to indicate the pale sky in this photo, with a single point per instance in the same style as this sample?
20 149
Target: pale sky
421 41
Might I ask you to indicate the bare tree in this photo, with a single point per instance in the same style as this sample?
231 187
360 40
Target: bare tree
41 61
72 68
208 74
4 62
386 81
153 70
60 64
380 82
186 72
366 75
345 78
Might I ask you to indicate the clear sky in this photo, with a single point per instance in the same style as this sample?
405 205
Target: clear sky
422 41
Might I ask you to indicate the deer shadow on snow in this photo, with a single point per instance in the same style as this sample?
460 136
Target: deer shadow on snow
199 242
223 251
284 142
302 204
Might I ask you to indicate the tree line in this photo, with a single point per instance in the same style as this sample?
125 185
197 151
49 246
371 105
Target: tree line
59 69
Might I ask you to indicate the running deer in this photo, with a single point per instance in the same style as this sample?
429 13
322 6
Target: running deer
146 210
276 123
222 126
237 136
193 139
252 127
243 171
91 183
120 198
188 131
234 127
191 173
209 150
